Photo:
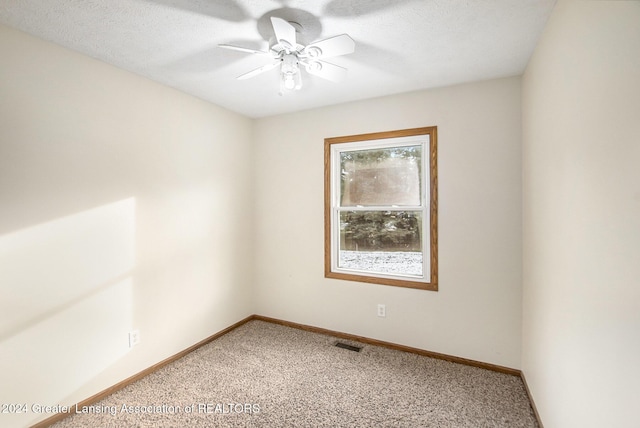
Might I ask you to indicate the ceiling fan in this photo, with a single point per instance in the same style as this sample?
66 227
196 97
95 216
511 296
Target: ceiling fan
287 53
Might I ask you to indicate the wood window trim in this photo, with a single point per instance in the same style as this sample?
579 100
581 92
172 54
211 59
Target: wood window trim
432 157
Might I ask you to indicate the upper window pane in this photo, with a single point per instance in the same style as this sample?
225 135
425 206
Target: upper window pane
381 177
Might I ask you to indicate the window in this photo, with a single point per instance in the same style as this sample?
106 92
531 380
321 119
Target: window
381 208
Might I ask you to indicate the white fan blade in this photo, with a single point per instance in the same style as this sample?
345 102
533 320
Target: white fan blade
241 49
285 33
333 46
326 70
259 70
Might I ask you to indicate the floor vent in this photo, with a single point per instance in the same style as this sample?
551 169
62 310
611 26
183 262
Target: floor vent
349 347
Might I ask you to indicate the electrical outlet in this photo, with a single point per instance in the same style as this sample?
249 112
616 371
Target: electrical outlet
382 310
134 338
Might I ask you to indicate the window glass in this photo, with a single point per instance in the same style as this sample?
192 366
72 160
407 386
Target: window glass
387 176
381 242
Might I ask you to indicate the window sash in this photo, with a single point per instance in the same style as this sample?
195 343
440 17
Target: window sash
420 140
424 264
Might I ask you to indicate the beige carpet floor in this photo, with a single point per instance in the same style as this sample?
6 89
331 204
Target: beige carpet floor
268 375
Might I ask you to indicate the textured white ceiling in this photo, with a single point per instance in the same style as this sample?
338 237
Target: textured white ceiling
401 45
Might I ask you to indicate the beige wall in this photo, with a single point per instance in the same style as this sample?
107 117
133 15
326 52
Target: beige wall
128 205
581 132
477 312
123 204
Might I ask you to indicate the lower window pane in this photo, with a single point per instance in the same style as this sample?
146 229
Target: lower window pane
387 242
